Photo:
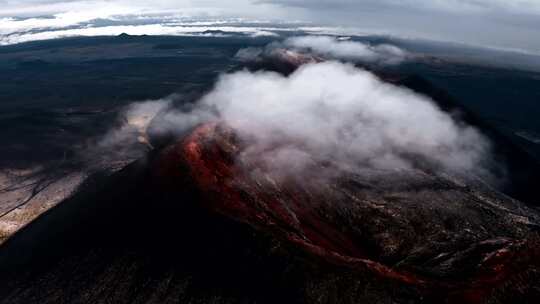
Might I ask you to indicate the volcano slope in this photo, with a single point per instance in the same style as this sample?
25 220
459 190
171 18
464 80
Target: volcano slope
518 172
193 224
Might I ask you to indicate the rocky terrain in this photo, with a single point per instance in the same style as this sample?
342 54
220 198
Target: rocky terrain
190 224
195 223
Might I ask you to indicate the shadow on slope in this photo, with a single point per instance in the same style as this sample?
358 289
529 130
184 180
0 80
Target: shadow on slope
124 238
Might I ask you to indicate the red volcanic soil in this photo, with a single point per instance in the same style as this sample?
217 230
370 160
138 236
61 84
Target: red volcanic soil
287 209
198 223
311 215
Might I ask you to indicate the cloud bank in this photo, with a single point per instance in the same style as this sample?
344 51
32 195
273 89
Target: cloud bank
303 49
508 25
484 23
332 47
460 6
325 112
334 111
148 29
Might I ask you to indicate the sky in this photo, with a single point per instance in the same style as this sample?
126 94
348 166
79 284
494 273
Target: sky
505 24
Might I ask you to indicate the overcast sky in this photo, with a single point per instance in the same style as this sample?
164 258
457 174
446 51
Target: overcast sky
511 24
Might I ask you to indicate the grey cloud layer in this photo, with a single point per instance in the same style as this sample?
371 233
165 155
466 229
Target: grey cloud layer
526 6
511 6
509 24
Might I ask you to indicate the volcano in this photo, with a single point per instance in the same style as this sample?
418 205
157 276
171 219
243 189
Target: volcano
519 171
192 223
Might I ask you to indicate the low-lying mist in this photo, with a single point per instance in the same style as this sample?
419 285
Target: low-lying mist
327 111
330 47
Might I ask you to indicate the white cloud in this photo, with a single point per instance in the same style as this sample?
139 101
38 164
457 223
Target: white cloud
332 47
334 111
130 140
151 29
490 23
53 19
316 48
330 112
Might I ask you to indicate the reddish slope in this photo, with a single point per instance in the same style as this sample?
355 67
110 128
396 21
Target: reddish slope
288 210
195 223
358 223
